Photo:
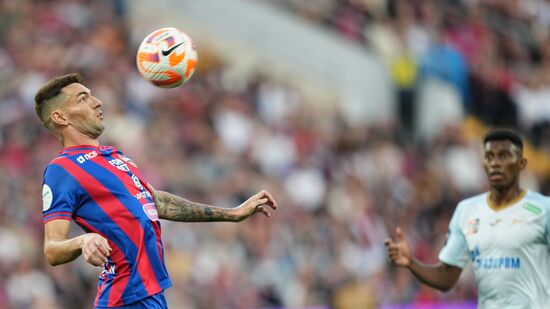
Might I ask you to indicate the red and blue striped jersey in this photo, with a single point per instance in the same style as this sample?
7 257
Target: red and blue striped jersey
103 192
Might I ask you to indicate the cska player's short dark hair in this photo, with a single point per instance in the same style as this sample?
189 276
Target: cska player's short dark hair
49 92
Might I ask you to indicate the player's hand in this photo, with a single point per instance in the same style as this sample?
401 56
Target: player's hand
399 251
153 191
258 203
95 249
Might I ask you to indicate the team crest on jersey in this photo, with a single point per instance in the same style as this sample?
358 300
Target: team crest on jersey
473 226
151 211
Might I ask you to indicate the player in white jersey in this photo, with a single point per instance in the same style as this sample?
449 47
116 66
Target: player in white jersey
505 233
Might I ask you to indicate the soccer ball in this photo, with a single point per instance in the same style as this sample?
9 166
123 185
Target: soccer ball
167 57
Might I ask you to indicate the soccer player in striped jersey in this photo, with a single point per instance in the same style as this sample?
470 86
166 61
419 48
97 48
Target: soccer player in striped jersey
505 233
103 191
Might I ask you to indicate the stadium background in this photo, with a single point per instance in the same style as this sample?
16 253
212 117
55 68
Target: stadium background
358 115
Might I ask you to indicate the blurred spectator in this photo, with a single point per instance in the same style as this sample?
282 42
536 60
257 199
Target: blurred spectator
481 48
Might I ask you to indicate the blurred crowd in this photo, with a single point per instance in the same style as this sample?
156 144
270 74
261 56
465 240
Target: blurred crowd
487 58
342 188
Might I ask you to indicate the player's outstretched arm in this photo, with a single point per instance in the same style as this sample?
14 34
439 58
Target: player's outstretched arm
175 208
60 250
440 276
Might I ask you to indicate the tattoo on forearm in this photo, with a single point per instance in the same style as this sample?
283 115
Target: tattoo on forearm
175 208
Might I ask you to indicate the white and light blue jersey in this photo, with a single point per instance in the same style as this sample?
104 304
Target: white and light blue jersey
509 250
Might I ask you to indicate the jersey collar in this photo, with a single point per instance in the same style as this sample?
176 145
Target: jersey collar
82 148
510 203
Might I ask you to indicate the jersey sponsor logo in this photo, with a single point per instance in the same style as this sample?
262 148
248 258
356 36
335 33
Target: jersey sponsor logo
473 226
495 222
532 208
518 221
502 262
142 195
494 262
119 164
47 197
109 269
87 156
137 182
151 211
127 160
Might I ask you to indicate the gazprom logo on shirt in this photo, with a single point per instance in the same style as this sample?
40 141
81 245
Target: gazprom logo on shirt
496 262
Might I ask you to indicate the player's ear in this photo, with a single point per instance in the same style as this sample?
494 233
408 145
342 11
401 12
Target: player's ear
58 118
522 163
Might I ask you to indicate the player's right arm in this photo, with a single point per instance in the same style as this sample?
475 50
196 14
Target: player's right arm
59 249
441 276
60 196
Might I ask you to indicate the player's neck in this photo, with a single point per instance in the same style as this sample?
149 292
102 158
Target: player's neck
70 140
499 199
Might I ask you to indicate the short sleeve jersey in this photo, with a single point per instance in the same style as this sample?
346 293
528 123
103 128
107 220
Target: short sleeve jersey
509 250
103 192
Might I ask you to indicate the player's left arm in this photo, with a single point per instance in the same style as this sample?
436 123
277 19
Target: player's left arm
175 208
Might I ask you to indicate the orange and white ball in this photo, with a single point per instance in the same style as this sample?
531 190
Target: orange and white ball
167 57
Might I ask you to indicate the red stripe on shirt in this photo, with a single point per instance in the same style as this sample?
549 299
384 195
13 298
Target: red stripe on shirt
57 218
156 225
150 281
122 268
57 215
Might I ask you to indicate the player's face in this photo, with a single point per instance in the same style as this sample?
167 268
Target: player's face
83 110
503 162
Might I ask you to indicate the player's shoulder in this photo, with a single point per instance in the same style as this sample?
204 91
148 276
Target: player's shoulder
468 206
57 168
473 201
109 149
58 161
464 209
57 174
537 199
